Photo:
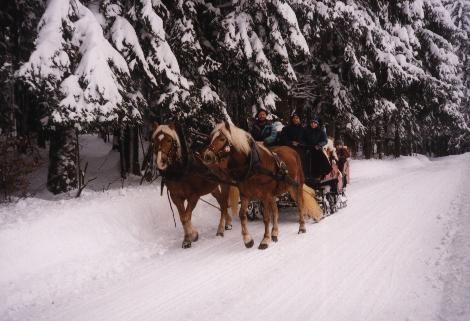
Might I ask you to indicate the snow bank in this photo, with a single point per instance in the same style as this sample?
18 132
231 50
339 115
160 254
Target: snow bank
44 243
379 169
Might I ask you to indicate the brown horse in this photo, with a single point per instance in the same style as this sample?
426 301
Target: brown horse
260 174
187 179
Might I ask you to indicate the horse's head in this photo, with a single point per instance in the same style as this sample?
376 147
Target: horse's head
220 145
167 146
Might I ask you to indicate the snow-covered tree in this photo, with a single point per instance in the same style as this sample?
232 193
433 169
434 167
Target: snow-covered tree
378 70
190 38
161 43
371 57
460 14
18 21
82 80
260 41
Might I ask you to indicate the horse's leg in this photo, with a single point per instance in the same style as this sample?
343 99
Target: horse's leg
300 207
179 203
225 222
247 239
224 190
190 234
296 194
268 210
275 211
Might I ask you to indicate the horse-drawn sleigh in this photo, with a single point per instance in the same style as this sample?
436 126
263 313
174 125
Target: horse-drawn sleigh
232 158
330 191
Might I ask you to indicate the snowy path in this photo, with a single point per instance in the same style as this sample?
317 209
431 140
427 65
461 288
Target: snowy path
399 251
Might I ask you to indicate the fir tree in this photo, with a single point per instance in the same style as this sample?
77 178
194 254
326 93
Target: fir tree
82 80
260 41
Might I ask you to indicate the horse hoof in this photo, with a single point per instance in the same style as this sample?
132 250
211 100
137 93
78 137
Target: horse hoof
220 234
302 230
274 238
186 244
263 246
196 237
249 244
228 227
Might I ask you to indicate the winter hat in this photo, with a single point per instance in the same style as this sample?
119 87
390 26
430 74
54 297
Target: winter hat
294 114
315 119
260 110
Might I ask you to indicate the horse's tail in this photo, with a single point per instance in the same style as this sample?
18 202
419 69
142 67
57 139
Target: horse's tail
310 206
233 198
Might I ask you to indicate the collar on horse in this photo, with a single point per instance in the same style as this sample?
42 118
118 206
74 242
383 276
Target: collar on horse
253 167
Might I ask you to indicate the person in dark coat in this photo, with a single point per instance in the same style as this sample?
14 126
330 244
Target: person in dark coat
315 138
292 134
262 130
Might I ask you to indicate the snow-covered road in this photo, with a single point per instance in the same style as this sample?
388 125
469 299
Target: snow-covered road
399 251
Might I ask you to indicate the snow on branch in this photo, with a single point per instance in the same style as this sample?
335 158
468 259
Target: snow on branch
50 60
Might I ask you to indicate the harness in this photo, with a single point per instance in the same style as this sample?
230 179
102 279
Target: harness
254 164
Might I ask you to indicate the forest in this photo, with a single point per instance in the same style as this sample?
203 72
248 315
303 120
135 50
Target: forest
390 78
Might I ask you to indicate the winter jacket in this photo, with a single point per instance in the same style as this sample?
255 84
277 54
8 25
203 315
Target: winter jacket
315 137
291 133
264 132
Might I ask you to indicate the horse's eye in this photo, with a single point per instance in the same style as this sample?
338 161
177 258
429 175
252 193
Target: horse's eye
221 138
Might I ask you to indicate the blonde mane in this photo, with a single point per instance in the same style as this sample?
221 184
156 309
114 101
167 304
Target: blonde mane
237 137
330 148
165 129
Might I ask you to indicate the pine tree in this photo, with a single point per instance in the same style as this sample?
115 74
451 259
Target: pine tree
460 14
190 38
18 21
382 62
260 41
81 79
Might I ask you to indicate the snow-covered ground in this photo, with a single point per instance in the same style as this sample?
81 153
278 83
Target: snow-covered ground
399 251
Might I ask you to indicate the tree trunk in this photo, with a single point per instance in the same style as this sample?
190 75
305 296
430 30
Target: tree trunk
122 152
133 150
368 145
62 175
129 143
397 152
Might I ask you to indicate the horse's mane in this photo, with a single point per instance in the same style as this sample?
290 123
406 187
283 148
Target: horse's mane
165 129
330 148
237 137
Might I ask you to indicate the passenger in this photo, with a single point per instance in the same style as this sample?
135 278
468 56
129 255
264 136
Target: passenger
315 138
292 134
343 154
263 130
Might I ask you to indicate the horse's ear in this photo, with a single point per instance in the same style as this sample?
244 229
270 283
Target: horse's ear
227 125
154 126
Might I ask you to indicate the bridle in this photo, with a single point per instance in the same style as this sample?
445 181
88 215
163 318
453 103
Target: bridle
224 151
171 153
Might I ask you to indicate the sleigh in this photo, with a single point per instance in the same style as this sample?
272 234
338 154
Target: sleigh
330 190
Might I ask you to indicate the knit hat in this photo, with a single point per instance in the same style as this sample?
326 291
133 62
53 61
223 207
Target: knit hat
260 110
294 114
315 119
